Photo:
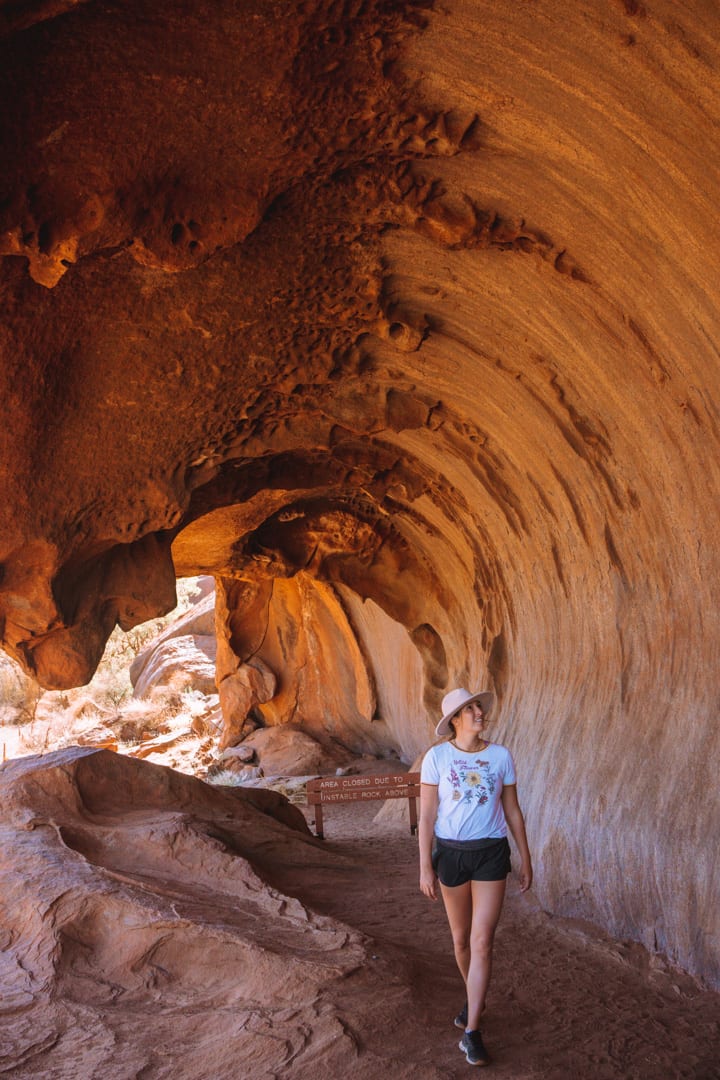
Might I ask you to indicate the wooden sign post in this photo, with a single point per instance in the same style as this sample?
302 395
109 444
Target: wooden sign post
336 789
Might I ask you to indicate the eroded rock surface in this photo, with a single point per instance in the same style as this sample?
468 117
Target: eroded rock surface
415 301
130 890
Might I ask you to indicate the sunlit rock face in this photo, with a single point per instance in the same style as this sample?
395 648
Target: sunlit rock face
182 655
409 315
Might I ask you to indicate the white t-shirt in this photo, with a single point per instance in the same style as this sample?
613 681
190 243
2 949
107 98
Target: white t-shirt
469 789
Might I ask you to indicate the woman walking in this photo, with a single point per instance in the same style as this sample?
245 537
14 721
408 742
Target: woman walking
468 800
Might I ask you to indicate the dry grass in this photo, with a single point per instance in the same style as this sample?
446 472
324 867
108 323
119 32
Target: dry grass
225 778
19 693
292 787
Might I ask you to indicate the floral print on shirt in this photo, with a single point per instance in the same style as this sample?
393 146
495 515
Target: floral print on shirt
472 782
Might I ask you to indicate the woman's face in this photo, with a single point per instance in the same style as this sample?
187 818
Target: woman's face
471 719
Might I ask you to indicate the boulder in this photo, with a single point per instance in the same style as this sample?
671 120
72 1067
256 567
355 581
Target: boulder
207 721
186 647
100 738
242 753
179 663
245 687
287 751
128 888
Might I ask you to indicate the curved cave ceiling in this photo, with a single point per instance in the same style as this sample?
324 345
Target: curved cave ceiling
417 300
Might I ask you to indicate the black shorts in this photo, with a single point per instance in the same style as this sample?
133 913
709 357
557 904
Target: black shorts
456 863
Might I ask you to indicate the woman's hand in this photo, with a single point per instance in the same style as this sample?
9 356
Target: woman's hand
426 823
428 884
526 876
516 823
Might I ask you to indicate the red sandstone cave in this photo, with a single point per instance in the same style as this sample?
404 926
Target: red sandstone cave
401 320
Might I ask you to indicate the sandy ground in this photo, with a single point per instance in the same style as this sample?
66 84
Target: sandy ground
566 1001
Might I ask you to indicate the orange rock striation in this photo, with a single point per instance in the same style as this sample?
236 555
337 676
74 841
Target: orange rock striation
403 316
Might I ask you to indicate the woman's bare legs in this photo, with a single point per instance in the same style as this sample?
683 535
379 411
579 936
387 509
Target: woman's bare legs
458 907
487 900
473 911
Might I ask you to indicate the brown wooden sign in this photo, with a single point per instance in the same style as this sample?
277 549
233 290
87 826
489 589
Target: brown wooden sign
336 789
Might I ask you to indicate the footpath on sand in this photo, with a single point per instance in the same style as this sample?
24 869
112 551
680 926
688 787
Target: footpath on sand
566 1001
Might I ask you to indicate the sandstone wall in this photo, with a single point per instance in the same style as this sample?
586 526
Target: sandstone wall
420 302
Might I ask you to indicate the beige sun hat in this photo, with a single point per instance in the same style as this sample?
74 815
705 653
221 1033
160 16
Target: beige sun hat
456 700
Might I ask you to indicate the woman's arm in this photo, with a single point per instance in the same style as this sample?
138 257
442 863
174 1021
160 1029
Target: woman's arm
516 824
426 827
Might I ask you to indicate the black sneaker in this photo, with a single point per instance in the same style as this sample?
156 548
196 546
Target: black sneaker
473 1047
461 1018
